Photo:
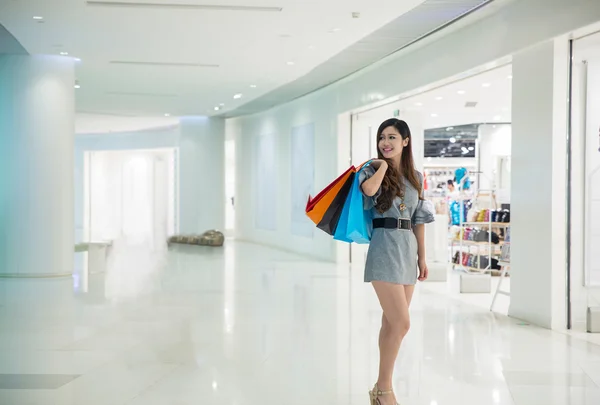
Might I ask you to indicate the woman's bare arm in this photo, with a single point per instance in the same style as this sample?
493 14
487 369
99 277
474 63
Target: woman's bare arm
371 185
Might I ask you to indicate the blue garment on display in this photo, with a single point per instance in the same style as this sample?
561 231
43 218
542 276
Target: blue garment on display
459 174
455 212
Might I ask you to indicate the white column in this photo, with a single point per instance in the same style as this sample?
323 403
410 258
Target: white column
538 224
37 151
201 174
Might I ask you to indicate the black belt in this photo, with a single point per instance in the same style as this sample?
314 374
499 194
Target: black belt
392 223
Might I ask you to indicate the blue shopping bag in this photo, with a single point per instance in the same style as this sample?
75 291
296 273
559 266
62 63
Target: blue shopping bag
342 226
355 223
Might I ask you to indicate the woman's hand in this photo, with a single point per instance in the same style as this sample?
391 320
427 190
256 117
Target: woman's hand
377 163
423 270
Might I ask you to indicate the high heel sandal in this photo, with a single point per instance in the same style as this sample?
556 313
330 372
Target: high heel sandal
376 393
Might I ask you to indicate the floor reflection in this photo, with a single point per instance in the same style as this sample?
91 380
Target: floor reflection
245 324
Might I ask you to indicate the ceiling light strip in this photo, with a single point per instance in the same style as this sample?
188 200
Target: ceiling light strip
167 64
130 94
208 7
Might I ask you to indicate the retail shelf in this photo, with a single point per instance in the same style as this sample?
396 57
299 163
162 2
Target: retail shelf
472 269
492 224
495 272
473 243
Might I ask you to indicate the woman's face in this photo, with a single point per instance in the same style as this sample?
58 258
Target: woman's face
391 143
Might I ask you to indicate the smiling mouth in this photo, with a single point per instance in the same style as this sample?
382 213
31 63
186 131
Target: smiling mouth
388 150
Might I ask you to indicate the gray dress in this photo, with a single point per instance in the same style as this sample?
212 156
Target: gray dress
392 255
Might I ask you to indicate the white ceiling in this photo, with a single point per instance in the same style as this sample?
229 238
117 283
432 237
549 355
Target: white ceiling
103 124
250 47
491 90
587 48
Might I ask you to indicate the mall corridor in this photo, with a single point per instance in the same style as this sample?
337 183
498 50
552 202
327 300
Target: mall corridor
193 193
250 325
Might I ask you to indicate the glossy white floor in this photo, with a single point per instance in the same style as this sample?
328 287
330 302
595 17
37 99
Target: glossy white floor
249 325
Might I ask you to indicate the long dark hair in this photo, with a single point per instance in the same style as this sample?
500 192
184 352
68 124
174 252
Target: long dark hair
393 182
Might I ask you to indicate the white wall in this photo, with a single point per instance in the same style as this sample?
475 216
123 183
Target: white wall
501 34
495 141
311 109
201 174
586 100
538 228
592 174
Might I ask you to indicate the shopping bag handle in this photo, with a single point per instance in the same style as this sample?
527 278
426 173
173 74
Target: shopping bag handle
364 165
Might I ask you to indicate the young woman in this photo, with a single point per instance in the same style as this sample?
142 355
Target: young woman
393 189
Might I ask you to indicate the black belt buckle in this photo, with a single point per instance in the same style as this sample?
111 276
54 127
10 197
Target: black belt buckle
404 224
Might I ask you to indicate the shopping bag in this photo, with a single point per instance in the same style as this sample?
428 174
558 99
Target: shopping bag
330 220
342 227
317 206
359 225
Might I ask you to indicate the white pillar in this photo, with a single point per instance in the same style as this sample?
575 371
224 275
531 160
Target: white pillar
36 148
201 174
538 225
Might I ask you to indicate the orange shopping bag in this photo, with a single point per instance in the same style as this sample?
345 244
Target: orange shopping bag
316 207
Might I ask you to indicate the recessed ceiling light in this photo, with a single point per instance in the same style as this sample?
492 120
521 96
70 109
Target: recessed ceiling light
461 92
486 84
37 17
222 104
64 53
77 86
434 115
439 98
253 86
217 108
237 96
167 115
452 140
290 63
419 104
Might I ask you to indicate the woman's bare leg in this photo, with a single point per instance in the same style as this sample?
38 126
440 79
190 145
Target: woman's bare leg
409 290
395 325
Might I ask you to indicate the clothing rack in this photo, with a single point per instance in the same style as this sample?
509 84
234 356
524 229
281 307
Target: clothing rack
489 225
